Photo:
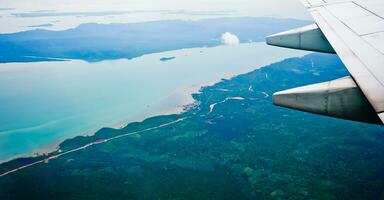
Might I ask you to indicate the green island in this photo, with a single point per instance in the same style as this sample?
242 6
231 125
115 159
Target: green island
231 144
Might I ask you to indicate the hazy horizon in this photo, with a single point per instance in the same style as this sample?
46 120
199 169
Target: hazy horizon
56 15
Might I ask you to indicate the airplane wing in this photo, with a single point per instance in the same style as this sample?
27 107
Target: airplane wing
354 29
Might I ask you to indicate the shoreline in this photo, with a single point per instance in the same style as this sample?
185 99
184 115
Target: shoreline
58 59
181 98
184 93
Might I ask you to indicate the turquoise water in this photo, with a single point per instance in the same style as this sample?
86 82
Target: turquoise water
43 103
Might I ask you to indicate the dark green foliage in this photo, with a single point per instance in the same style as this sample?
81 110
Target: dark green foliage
243 149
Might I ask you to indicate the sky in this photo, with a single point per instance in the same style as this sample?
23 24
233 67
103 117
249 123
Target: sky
20 15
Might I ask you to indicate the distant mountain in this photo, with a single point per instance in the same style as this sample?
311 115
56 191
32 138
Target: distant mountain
95 42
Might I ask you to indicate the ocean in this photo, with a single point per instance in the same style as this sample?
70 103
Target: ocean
44 103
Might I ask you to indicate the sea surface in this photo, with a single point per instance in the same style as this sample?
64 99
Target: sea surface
43 103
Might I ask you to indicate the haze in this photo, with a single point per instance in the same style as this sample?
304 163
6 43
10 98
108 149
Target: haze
58 15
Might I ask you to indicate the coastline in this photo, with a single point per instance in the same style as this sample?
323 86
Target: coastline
183 96
180 100
240 139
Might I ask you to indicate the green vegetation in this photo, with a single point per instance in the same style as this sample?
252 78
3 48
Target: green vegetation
240 148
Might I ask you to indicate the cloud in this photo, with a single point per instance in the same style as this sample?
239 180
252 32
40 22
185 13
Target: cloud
229 39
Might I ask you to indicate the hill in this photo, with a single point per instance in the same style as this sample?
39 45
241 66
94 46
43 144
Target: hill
96 42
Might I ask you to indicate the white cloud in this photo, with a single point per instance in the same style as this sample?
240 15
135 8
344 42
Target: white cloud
229 39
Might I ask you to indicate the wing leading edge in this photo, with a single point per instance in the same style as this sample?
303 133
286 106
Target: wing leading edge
355 31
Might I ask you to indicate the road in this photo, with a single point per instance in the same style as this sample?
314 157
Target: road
46 160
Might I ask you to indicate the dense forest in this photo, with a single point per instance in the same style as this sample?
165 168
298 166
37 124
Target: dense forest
231 144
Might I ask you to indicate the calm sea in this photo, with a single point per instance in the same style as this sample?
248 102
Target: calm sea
43 103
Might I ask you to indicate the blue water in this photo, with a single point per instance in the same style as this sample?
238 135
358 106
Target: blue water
43 103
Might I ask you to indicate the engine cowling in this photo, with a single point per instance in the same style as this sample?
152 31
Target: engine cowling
305 38
340 98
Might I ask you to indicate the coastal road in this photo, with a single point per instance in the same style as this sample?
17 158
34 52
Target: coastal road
99 141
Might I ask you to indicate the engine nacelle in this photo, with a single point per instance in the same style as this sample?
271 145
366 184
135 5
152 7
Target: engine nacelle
306 38
339 98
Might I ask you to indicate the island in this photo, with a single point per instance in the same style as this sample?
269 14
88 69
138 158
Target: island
164 59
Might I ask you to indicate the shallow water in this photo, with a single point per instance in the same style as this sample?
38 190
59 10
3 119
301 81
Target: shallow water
44 103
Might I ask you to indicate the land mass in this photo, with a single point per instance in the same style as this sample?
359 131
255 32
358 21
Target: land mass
167 58
95 42
231 144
